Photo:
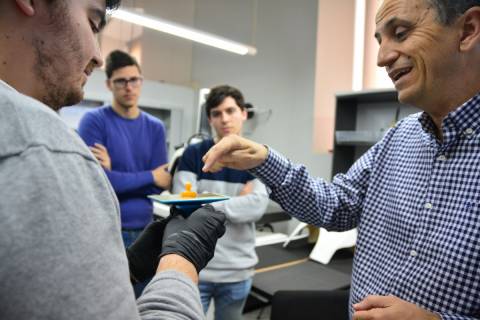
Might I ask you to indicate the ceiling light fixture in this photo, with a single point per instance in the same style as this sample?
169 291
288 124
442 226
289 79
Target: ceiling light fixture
183 32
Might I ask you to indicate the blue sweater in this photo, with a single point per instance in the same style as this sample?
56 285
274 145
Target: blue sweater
136 147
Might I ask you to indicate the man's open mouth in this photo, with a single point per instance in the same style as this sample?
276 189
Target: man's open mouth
396 74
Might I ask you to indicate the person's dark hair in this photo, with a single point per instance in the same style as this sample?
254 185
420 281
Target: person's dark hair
109 4
449 10
112 4
118 59
219 93
250 112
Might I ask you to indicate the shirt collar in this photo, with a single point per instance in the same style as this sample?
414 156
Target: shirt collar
464 119
467 116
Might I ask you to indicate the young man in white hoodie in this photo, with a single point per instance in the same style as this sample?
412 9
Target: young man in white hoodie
227 279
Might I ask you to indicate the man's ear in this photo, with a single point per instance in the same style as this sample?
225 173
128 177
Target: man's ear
470 29
26 6
108 83
244 114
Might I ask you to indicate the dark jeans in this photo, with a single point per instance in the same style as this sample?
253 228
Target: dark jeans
229 298
129 236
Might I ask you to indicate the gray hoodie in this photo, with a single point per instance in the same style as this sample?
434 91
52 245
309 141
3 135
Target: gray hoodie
61 250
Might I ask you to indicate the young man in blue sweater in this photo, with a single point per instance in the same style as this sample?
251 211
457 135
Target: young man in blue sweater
129 144
228 277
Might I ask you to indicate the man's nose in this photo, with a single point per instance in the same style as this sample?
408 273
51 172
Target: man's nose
387 55
225 117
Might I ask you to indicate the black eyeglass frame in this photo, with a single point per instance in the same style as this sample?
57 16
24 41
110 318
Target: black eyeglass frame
122 83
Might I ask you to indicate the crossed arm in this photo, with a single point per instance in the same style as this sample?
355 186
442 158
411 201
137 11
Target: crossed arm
141 182
130 181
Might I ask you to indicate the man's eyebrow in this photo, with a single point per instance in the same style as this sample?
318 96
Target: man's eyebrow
389 24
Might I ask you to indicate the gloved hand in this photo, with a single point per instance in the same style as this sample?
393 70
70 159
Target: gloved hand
195 237
143 254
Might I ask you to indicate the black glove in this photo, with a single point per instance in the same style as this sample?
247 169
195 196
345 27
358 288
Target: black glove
143 254
195 237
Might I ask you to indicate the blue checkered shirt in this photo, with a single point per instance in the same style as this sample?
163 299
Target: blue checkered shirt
416 203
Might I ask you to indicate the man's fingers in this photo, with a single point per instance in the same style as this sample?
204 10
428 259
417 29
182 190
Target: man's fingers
372 314
361 315
372 301
100 146
217 166
372 307
96 150
215 154
164 167
210 158
98 154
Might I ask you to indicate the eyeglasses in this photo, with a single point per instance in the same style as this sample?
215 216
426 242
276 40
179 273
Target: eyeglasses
122 83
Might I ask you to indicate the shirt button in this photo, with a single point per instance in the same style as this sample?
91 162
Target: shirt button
413 253
468 131
428 205
441 158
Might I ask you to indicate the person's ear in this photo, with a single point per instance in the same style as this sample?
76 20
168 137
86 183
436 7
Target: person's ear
26 6
244 114
108 83
470 29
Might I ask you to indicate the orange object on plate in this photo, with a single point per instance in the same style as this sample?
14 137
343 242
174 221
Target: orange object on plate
188 193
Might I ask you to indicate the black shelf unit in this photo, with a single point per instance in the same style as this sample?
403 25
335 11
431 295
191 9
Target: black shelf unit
365 116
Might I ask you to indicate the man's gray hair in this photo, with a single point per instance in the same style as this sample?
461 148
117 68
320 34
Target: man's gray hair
449 10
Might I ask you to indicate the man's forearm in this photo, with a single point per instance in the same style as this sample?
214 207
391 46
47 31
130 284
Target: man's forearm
178 263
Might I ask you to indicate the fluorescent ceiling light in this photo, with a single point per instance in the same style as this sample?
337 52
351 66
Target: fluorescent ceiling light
183 32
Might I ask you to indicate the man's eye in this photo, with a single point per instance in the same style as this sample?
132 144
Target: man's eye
401 33
120 82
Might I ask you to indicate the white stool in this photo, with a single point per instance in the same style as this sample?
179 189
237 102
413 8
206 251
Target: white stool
329 242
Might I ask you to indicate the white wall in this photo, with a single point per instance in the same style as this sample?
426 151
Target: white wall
163 57
280 77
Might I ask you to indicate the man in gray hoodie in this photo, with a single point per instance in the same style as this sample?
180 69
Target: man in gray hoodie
60 244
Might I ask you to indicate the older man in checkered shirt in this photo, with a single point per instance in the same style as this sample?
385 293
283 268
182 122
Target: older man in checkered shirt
415 195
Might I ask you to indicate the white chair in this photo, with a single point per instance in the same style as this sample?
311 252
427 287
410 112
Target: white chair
264 238
328 242
294 233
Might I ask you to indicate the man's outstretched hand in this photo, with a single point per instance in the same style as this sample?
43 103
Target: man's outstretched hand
234 152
